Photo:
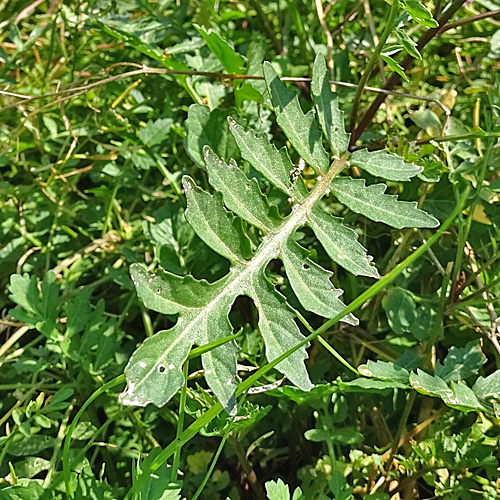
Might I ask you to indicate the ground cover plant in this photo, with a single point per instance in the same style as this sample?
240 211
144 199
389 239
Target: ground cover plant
249 250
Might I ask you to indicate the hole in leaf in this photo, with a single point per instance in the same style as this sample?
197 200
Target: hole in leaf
162 368
305 266
158 290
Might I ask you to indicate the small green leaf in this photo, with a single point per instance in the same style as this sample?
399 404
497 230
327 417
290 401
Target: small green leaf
372 202
277 490
329 115
157 485
383 164
488 387
385 370
461 362
300 129
347 435
371 385
339 487
428 121
394 65
232 62
341 244
419 12
208 128
429 385
156 132
316 435
39 307
409 45
404 316
218 228
462 398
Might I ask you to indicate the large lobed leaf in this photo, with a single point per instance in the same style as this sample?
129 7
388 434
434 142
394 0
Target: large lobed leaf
154 373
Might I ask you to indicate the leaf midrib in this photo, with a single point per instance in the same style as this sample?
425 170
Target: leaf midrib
268 249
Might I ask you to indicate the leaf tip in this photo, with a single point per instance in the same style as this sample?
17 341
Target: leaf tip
188 183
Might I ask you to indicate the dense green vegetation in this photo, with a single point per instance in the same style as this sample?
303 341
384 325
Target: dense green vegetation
212 290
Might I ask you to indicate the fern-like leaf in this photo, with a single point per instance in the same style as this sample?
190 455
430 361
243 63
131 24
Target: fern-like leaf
154 372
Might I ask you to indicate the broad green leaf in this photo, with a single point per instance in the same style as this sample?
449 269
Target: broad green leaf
241 195
341 244
462 398
311 283
461 362
383 164
32 445
154 372
232 62
218 228
274 165
385 370
329 115
300 128
170 294
488 387
372 202
208 128
429 385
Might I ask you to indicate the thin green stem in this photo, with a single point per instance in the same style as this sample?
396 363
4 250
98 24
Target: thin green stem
402 423
180 421
336 355
57 448
112 198
458 137
464 229
217 408
373 61
67 442
211 468
146 320
328 347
